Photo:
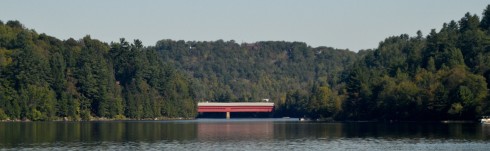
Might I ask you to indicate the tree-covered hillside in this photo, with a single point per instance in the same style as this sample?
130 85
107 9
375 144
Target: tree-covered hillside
228 71
42 77
442 76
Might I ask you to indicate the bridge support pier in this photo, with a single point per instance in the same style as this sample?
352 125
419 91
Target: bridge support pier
227 115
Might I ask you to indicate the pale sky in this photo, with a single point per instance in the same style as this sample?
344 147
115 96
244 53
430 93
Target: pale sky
352 24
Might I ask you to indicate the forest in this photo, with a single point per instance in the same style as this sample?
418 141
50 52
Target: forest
444 75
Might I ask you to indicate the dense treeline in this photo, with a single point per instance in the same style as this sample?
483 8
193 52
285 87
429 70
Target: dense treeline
440 76
444 75
42 77
229 72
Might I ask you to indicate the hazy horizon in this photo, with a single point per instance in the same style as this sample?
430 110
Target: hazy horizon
353 25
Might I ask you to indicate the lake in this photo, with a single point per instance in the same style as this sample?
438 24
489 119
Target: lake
242 134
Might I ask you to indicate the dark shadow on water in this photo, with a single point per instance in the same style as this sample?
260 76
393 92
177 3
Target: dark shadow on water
17 134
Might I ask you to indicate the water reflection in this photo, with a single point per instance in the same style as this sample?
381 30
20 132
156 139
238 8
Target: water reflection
19 134
485 130
233 131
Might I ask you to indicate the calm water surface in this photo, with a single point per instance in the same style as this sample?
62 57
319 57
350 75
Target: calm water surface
241 134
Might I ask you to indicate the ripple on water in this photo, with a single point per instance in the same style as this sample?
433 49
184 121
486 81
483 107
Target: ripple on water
296 144
241 134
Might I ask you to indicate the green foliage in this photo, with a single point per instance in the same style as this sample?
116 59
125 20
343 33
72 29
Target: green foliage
8 99
456 108
85 115
444 75
323 103
226 71
119 117
38 102
42 77
485 22
319 102
415 78
36 115
3 116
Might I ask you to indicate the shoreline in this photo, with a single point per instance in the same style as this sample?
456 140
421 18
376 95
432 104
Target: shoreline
98 119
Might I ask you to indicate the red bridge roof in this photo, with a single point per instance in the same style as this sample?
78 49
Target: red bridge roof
235 107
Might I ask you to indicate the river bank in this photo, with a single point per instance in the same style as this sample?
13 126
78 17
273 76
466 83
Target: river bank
320 120
66 119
